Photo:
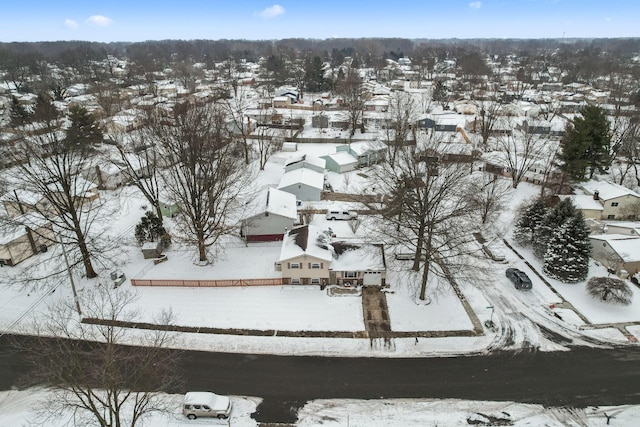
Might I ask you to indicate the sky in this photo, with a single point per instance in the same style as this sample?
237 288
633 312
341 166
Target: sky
139 20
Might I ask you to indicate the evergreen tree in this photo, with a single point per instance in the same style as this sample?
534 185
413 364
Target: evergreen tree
568 251
440 94
84 130
149 229
585 144
18 114
552 220
529 221
314 80
45 111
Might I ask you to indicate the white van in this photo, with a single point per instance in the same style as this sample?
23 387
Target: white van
205 404
341 215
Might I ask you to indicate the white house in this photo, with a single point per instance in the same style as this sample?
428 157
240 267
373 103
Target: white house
306 184
617 251
275 214
617 201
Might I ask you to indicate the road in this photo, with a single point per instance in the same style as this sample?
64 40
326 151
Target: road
580 377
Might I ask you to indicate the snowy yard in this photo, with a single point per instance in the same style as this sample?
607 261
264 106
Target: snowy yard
20 409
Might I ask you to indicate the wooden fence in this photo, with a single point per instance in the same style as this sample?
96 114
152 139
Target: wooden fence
207 283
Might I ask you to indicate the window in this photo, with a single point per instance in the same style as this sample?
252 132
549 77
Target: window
295 280
611 216
315 281
614 204
350 274
294 265
315 265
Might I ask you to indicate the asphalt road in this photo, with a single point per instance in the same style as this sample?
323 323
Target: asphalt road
580 377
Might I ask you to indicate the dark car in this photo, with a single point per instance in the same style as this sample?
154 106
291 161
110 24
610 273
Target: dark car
519 278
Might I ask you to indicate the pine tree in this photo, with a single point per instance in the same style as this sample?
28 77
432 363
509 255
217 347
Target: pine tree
529 221
568 251
586 143
84 130
314 80
45 111
149 229
19 115
553 219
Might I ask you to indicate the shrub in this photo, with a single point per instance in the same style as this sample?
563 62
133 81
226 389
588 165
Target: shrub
610 289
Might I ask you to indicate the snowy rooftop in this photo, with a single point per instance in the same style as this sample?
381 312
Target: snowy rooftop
25 196
306 240
343 158
607 190
626 246
280 203
357 257
305 176
584 201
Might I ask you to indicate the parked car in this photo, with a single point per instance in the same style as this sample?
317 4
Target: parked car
519 278
205 404
341 215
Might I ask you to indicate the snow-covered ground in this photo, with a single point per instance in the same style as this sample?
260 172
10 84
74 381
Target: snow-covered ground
22 409
519 315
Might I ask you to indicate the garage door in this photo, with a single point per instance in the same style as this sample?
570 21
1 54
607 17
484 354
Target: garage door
372 278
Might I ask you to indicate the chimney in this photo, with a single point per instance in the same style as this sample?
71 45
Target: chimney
596 195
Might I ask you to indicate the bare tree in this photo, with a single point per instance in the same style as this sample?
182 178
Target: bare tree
237 112
267 142
208 175
489 194
400 119
139 161
520 150
488 112
96 376
50 163
351 90
428 208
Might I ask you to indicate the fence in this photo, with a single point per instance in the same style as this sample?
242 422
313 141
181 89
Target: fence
207 283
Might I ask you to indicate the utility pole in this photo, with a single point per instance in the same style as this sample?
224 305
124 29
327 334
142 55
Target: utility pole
73 283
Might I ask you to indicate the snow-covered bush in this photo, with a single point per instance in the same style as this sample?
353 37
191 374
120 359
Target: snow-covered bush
610 289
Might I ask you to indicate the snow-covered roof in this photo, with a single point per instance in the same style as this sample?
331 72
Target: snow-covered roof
627 247
24 196
607 190
306 240
357 257
281 203
343 158
304 176
584 202
31 220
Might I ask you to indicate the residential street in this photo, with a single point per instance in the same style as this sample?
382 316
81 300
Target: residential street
582 376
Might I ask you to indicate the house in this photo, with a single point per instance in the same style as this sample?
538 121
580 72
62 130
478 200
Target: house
281 101
305 256
618 202
20 202
341 162
310 257
32 236
626 228
366 152
320 121
617 252
305 161
589 207
306 184
276 213
357 264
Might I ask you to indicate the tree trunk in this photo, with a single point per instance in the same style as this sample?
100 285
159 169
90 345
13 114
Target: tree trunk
425 277
202 249
86 257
